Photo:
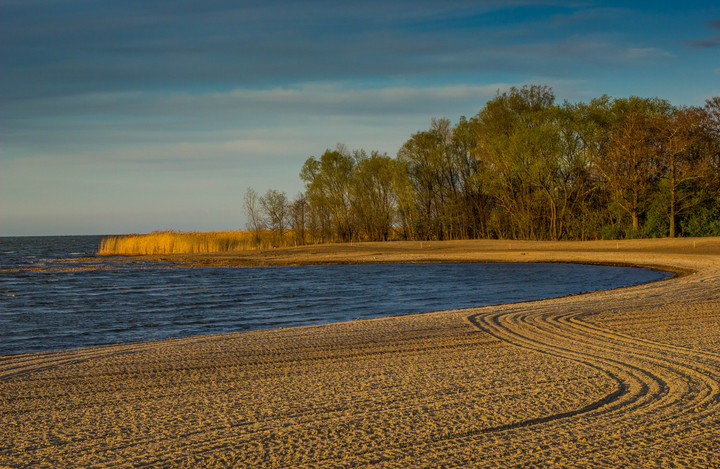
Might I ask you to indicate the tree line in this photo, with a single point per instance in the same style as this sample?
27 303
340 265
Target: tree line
524 167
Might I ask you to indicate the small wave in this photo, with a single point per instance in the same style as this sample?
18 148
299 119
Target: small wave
191 323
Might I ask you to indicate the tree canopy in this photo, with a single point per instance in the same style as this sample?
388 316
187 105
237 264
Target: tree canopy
524 167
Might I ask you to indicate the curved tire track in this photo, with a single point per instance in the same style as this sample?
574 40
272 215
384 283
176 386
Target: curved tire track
669 392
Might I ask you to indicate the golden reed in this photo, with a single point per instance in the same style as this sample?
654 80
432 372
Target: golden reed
177 242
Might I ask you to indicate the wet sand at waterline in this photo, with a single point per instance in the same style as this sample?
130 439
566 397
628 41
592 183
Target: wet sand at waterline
628 377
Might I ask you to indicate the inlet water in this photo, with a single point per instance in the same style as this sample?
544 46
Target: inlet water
45 308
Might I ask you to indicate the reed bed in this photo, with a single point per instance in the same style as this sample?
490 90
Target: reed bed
176 242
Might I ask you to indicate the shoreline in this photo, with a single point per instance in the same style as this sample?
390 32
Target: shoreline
629 375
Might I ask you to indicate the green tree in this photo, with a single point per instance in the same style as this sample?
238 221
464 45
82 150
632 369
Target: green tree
443 170
516 144
473 205
374 200
676 134
421 154
629 165
327 188
704 218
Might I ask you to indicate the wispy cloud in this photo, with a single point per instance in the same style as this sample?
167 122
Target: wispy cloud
704 43
635 53
57 50
305 99
109 118
715 24
707 43
592 17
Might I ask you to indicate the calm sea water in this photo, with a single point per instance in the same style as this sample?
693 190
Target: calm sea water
44 310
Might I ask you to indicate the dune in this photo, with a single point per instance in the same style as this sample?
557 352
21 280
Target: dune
626 377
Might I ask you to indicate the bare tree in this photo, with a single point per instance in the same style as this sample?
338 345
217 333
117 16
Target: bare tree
255 223
275 206
298 218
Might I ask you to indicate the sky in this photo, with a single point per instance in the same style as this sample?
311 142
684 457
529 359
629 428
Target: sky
130 116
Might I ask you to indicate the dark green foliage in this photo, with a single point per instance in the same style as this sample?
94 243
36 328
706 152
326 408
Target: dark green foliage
704 220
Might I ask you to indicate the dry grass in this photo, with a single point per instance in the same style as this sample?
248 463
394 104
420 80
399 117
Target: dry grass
193 242
177 242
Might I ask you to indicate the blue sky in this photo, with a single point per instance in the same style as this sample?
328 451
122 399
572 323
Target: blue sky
134 116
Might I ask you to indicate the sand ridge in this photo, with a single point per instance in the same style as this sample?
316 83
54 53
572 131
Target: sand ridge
628 377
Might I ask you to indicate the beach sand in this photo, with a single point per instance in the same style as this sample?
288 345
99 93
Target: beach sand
627 377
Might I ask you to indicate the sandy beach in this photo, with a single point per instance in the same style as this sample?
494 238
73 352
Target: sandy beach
621 378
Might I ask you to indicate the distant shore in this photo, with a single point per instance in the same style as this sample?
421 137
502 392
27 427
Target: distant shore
622 377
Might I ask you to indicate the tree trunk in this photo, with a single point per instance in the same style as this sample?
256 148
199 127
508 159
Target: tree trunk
635 222
672 221
673 202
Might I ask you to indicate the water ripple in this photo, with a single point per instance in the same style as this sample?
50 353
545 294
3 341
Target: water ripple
56 310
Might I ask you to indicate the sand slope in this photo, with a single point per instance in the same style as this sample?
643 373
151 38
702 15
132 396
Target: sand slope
629 377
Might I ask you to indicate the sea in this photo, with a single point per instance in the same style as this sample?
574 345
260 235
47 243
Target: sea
56 294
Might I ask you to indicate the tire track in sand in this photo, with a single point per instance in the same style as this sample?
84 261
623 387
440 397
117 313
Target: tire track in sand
664 392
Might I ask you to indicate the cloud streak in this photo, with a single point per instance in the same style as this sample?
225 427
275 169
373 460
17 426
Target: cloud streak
708 43
302 99
221 44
